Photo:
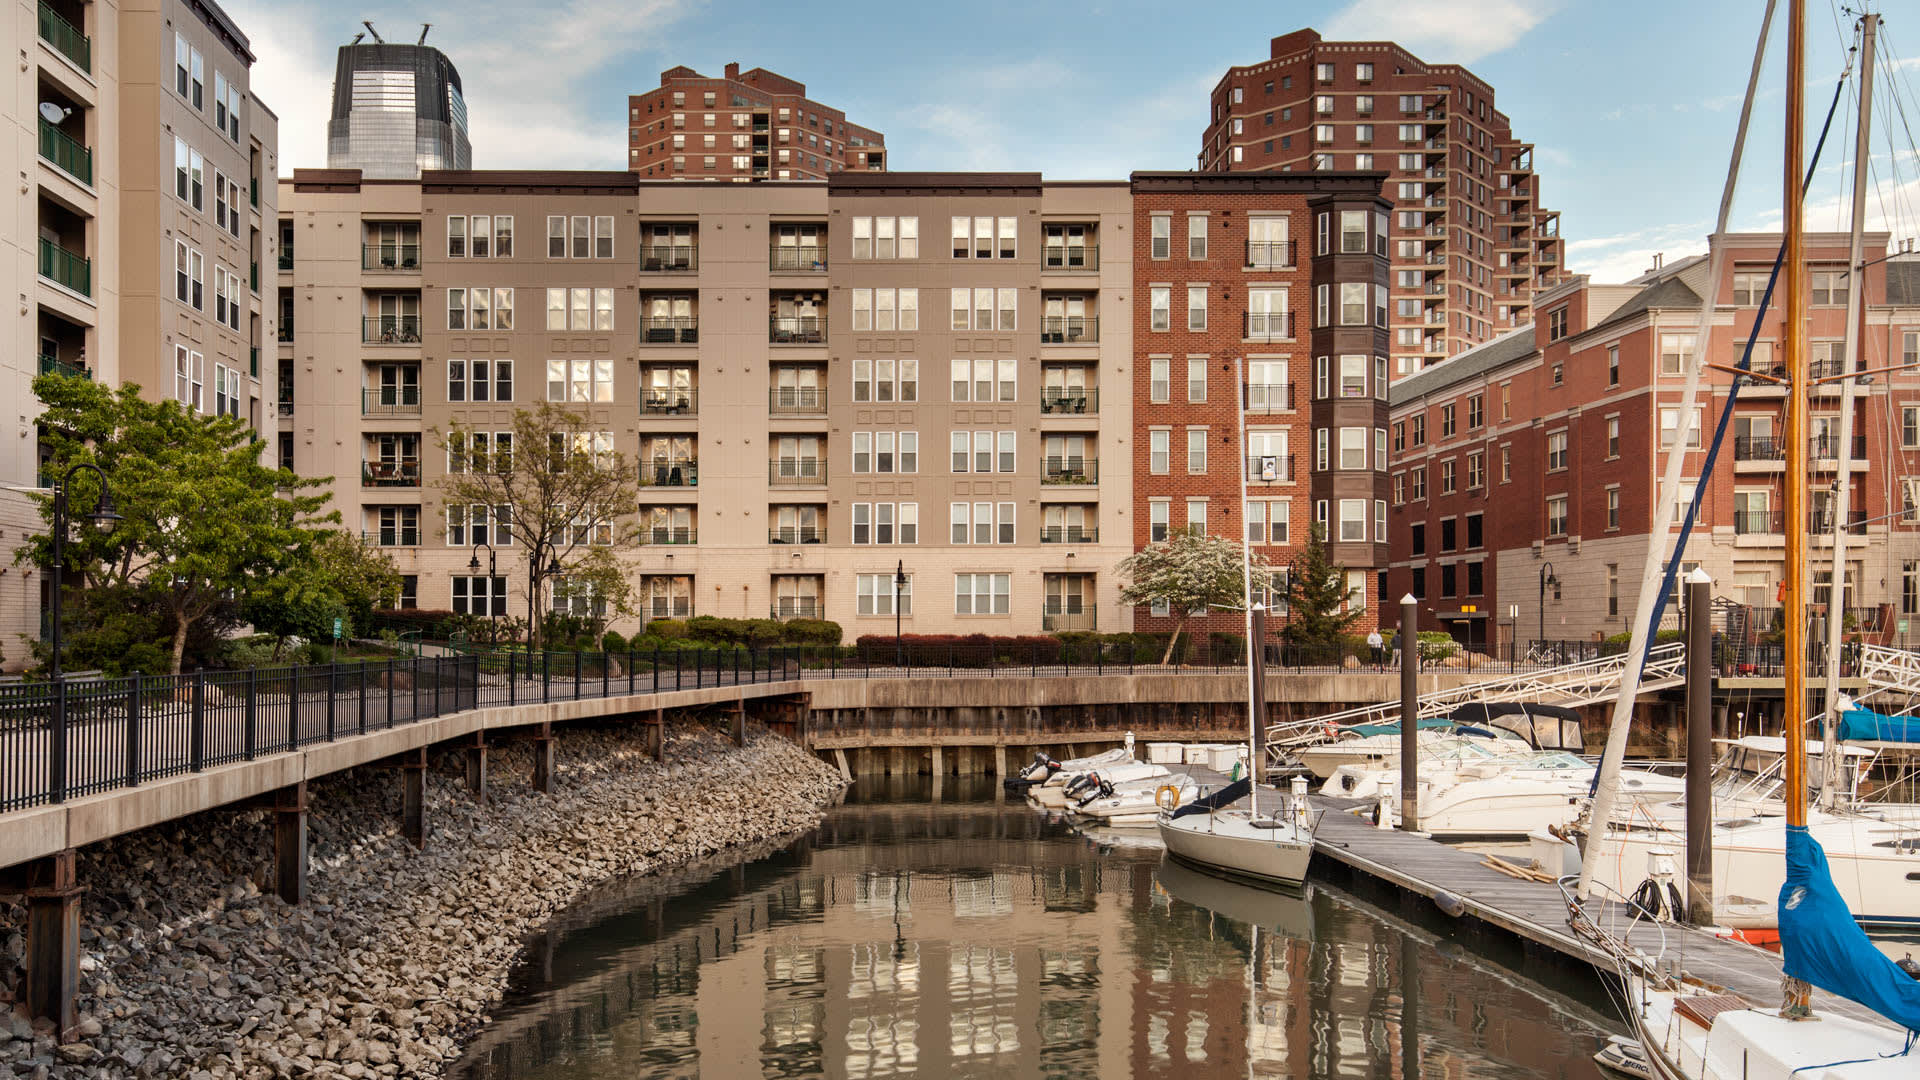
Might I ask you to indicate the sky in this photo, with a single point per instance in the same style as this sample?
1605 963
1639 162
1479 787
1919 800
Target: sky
1631 104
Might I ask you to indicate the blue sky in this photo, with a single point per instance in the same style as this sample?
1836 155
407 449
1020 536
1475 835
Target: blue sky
1632 104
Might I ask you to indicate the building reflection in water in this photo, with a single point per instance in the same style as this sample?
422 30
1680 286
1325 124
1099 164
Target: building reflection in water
973 938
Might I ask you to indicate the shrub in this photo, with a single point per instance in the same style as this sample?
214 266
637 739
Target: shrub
613 641
1226 648
666 631
958 650
1436 645
811 632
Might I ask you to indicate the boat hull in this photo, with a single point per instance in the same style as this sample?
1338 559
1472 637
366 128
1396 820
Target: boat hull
1227 842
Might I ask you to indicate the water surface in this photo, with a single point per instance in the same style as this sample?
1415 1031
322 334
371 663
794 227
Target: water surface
969 937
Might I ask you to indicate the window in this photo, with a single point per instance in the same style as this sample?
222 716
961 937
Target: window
580 380
1613 511
1556 451
1447 425
1670 426
1506 464
1197 237
1196 307
1557 515
1353 376
1353 520
1197 517
1613 437
1675 351
479 595
1353 303
1476 412
981 594
1748 288
876 594
1161 230
1157 520
1353 232
1161 307
1613 365
1506 401
1556 324
1476 578
984 237
887 238
1830 287
1476 531
1353 448
1320 451
1417 482
1909 427
1196 451
1380 449
1447 486
1160 379
1558 373
1159 452
1476 471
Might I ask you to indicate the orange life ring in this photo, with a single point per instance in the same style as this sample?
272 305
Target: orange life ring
1166 796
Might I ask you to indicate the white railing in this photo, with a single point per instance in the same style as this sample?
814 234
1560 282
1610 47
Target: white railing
1570 685
1890 670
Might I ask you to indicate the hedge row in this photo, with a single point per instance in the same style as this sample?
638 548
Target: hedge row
710 630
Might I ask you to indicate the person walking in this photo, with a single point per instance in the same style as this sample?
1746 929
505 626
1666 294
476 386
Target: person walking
1379 646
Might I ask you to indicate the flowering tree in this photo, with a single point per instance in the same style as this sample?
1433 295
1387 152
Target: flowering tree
1190 573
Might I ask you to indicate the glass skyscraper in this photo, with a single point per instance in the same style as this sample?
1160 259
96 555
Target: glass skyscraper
397 109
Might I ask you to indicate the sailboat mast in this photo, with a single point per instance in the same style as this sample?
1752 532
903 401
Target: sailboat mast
1794 282
1254 768
1843 485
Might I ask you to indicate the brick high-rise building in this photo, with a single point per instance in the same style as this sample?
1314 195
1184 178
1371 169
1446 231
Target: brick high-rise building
139 241
744 126
1472 243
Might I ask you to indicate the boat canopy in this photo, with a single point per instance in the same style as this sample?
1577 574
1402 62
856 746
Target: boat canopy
1865 725
1545 727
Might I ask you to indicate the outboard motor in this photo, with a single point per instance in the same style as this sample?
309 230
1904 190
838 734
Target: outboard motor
1036 772
1082 784
1101 790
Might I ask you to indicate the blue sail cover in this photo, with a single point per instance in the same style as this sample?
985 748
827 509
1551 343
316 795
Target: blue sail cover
1822 944
1865 725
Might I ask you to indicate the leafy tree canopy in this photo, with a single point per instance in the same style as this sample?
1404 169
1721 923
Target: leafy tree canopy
1190 573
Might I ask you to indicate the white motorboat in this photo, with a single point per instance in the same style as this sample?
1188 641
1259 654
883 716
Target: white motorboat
1383 750
1136 802
1242 842
1073 786
1044 767
1501 797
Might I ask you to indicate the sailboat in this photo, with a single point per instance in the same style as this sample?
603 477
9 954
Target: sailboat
1687 1029
1213 831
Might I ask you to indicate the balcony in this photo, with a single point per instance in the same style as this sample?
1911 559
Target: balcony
669 401
1069 534
64 268
664 534
800 534
390 401
796 472
669 330
389 330
1820 523
253 277
253 360
402 536
1759 448
800 259
1825 369
669 258
1069 330
1268 326
1269 254
670 473
397 258
390 474
1064 401
797 330
253 191
1758 522
795 607
285 332
1066 617
68 153
286 408
50 365
1069 470
286 261
1270 468
66 38
1269 397
1827 448
1070 257
788 400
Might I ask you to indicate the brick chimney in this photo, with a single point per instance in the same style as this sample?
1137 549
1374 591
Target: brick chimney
733 71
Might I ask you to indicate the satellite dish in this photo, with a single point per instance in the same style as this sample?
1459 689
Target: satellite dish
54 114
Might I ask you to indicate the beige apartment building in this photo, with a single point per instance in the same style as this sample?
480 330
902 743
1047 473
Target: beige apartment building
145 208
819 384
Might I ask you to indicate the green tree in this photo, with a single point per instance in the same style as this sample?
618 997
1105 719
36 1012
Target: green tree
1190 572
202 518
337 577
558 490
1316 592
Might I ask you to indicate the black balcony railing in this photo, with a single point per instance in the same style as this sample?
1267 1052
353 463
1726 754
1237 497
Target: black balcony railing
1759 448
669 258
395 257
1072 401
797 399
1270 468
253 360
1268 254
795 607
797 330
1826 369
1268 326
1069 470
253 191
1269 397
285 408
663 534
797 534
390 474
795 258
1820 522
669 330
669 400
1069 534
67 152
66 38
390 401
1059 617
285 331
796 472
1827 447
1070 257
253 276
1069 329
397 536
286 260
390 330
670 473
63 267
1758 522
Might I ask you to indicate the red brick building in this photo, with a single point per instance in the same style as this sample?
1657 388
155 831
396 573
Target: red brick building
743 126
1538 456
1289 274
1472 243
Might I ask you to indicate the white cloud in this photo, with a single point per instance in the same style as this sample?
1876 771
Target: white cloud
1441 31
1625 256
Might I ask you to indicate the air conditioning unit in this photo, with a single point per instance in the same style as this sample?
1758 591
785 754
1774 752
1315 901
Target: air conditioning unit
1573 545
1269 468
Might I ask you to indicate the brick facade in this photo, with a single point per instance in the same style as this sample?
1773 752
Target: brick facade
764 119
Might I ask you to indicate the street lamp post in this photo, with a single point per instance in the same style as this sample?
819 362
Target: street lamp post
1547 577
473 566
102 516
899 583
